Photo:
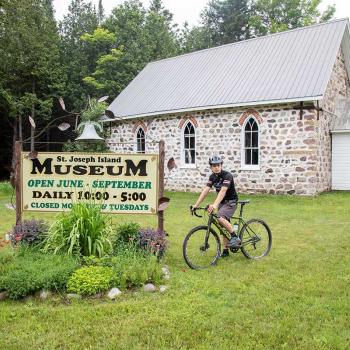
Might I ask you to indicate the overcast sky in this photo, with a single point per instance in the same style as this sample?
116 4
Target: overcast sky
189 10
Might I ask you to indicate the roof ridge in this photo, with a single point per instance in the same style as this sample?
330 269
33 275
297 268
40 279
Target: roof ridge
252 39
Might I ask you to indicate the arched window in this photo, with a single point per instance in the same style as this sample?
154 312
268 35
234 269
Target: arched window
250 150
140 141
189 144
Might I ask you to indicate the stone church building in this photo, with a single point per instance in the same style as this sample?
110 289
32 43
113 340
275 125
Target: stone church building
267 105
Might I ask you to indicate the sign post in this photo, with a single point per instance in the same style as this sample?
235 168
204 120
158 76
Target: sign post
161 183
18 181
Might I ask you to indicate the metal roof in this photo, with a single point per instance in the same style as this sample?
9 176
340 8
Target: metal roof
290 66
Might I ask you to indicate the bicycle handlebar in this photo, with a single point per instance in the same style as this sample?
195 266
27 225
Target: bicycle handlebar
193 210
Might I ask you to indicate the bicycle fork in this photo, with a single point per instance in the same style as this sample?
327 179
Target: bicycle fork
206 244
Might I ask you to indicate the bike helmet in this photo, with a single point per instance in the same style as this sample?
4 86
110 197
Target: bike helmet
215 160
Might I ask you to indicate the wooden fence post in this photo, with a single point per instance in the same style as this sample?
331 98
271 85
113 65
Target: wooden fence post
18 181
161 183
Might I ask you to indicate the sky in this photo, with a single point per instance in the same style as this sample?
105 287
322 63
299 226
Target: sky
189 10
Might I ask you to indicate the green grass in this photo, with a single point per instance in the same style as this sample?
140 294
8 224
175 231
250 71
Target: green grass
296 298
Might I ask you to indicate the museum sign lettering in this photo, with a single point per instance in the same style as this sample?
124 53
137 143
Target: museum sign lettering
125 183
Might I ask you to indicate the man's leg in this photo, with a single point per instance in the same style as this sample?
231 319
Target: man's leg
225 213
227 225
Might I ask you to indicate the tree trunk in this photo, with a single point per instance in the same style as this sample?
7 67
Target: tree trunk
13 162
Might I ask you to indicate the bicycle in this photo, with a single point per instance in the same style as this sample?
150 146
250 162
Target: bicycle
202 247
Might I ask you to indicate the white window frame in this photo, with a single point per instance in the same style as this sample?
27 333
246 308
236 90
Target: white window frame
183 164
243 165
136 143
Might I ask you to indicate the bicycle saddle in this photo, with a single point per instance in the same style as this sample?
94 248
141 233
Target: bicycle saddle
244 202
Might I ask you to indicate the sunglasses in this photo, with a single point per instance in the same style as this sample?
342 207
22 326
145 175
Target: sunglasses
215 165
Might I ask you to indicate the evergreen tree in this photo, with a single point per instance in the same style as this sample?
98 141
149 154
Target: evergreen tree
81 19
160 31
226 21
30 74
100 13
127 22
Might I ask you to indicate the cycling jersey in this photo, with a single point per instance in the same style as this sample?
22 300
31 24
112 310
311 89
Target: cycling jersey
224 179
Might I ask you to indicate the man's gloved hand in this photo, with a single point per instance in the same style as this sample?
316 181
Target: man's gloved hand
192 209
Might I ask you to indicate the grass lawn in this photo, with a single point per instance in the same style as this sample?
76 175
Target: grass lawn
296 298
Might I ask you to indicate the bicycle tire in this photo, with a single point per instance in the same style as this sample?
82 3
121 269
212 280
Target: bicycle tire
192 248
249 232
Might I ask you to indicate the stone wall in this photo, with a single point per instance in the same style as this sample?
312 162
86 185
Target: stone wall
295 151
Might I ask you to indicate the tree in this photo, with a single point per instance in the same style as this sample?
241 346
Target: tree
111 75
81 19
100 13
226 21
94 45
30 73
161 37
127 23
271 16
194 39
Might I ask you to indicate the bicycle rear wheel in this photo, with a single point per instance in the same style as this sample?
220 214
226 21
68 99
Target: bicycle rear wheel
256 239
198 255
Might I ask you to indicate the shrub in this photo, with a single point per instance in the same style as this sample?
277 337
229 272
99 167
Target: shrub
153 241
30 232
127 234
83 231
32 271
89 280
132 266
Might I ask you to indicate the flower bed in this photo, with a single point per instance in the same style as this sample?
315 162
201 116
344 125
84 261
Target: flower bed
80 253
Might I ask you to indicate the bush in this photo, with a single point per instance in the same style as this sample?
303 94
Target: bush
153 241
148 239
132 267
30 232
89 280
127 234
32 271
84 231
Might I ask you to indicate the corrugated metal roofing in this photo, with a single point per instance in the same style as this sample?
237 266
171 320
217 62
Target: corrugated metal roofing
289 66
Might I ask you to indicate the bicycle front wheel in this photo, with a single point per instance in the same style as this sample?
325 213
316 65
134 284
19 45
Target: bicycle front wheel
256 239
198 253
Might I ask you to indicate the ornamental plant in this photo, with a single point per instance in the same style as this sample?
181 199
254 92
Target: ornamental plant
29 232
31 271
83 231
89 280
127 233
132 266
153 241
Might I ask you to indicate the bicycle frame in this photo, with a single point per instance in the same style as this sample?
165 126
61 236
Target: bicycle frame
213 220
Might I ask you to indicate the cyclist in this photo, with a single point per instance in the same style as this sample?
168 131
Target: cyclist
225 202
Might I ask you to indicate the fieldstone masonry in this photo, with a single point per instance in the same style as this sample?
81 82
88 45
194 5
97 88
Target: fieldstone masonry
295 150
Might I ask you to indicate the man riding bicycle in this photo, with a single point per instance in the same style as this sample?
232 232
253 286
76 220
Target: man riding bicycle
225 202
